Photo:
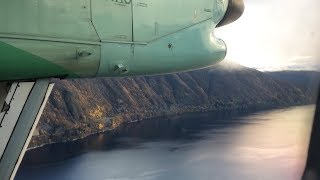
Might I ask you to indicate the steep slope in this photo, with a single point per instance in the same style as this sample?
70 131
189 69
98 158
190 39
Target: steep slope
307 81
77 108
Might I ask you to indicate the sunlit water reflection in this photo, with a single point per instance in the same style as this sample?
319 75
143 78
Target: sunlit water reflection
269 145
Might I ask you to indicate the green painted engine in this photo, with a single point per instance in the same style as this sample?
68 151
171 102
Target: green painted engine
91 38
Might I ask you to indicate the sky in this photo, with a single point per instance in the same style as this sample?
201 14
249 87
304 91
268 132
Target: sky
275 35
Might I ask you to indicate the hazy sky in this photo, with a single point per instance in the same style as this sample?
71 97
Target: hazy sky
275 35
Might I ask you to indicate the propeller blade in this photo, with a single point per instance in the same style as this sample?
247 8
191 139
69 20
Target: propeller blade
234 11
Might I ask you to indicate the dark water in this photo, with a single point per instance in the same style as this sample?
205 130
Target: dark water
269 145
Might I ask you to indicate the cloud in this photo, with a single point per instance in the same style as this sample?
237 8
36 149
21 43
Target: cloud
299 58
303 63
298 63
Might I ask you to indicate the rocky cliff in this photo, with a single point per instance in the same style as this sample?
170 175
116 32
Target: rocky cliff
78 108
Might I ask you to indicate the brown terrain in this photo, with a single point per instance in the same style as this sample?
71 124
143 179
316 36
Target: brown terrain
78 108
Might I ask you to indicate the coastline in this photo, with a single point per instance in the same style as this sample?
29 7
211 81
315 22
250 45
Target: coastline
172 115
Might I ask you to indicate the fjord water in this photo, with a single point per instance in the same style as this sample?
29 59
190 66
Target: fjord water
268 145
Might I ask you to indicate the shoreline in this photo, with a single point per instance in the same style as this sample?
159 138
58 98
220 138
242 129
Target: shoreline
237 111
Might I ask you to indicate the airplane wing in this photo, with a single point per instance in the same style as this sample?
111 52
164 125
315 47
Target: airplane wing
20 111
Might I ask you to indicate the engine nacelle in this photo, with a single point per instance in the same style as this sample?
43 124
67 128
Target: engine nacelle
192 48
78 39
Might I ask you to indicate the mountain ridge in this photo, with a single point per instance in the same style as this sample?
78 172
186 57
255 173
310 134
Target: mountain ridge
78 108
307 81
